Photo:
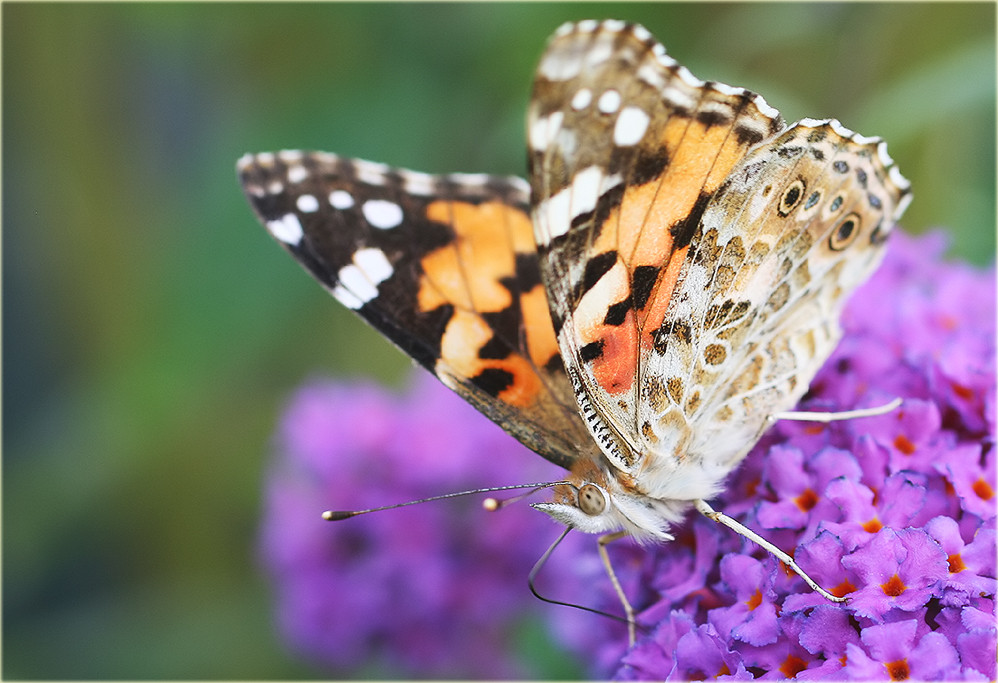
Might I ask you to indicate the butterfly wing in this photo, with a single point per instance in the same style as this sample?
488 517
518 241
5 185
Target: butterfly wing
627 149
800 223
444 266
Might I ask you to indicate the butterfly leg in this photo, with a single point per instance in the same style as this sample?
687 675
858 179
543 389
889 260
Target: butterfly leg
805 416
603 541
721 518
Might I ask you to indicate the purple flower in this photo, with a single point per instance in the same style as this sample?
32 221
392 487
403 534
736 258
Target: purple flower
896 651
432 590
897 570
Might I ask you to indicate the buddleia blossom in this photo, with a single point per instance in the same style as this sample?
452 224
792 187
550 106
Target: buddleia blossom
897 512
435 590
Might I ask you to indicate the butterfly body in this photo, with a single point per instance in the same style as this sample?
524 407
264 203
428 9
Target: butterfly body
671 277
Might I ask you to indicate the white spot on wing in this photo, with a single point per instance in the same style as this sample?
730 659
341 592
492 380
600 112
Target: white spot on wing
899 180
609 101
544 130
651 73
840 129
416 183
340 199
641 33
585 190
307 203
370 172
347 298
728 90
287 229
374 263
382 213
297 173
764 107
578 198
885 158
353 280
630 127
688 78
678 97
582 99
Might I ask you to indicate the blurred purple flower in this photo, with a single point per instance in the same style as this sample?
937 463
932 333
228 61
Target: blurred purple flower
896 511
434 590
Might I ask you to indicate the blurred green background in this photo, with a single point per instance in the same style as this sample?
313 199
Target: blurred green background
152 329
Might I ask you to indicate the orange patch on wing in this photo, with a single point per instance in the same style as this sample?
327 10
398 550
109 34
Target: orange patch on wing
653 316
616 366
700 158
526 385
466 333
541 342
467 272
614 370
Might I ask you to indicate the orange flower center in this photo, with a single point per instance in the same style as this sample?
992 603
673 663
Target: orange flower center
898 671
792 666
956 564
806 500
843 589
894 586
904 444
873 526
963 392
983 490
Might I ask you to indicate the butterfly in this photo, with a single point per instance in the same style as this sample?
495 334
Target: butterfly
666 283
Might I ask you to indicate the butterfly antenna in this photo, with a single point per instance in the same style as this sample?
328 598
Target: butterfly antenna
337 515
493 504
533 589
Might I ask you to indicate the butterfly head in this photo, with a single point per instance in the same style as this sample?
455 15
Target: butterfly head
595 501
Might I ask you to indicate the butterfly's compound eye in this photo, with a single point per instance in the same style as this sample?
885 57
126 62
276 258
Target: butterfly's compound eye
592 499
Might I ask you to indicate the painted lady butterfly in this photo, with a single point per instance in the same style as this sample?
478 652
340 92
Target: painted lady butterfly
669 281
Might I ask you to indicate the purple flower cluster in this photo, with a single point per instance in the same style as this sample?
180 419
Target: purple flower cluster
435 590
897 512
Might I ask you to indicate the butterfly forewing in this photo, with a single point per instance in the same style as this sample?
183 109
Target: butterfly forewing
444 266
627 149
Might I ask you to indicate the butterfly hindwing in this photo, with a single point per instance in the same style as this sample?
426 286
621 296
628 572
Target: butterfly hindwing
797 226
444 266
